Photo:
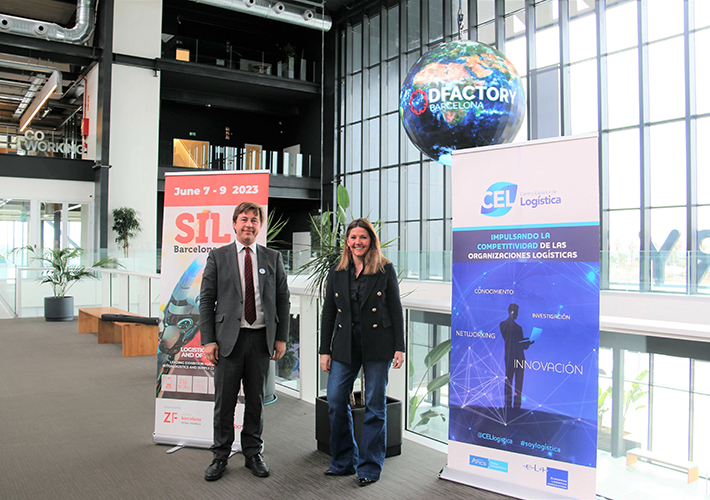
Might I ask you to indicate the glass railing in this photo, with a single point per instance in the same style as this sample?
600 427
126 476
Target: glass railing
234 158
682 273
285 64
54 144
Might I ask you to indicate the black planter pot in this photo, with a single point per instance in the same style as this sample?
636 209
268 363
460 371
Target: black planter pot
58 309
394 425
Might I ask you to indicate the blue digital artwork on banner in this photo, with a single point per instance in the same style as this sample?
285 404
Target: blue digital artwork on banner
524 359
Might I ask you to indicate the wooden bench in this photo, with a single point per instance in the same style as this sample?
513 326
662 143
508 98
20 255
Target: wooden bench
691 468
137 339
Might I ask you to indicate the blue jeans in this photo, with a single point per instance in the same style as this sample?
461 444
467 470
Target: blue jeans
346 457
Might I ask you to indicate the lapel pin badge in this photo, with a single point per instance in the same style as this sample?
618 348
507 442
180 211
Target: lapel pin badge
262 270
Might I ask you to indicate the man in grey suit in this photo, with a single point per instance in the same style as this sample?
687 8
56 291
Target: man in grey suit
244 321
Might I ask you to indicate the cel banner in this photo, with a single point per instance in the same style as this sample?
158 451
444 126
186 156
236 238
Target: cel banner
525 319
197 218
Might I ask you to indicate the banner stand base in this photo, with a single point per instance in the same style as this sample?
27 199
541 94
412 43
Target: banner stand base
175 448
495 486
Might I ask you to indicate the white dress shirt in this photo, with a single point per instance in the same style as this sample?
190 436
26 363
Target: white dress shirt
256 271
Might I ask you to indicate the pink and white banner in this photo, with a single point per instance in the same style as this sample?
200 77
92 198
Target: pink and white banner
197 218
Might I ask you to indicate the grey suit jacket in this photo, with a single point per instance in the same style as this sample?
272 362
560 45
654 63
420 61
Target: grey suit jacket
222 303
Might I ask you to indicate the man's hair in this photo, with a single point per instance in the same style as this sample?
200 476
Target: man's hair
248 206
513 308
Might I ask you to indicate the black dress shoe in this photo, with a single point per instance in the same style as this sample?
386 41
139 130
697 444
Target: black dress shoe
363 481
348 472
257 465
215 470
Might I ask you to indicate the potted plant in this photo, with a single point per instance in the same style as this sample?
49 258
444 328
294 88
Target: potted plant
328 233
126 226
62 273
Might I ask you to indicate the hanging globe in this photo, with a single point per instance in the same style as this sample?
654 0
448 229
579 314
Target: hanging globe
459 95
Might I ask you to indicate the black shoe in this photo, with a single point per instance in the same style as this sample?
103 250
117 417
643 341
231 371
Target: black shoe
215 470
363 481
257 465
348 472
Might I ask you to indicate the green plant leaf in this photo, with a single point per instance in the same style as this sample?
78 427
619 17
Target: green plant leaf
412 408
438 352
438 382
343 197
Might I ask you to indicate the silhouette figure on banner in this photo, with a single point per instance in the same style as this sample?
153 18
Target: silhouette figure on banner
515 347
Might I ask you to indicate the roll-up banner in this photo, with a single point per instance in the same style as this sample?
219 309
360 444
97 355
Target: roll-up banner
525 319
197 218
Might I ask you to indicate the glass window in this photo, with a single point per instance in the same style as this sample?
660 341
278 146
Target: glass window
668 164
413 26
356 97
606 363
704 249
664 18
357 47
668 255
373 86
51 228
454 10
583 97
353 183
390 192
666 79
702 13
349 100
547 36
393 31
413 186
621 27
485 11
671 372
487 34
702 70
371 195
514 26
427 331
512 5
701 431
14 229
516 53
349 49
374 40
583 37
623 89
435 203
412 239
636 400
390 137
624 248
373 149
356 146
624 169
287 373
435 249
670 428
436 20
393 86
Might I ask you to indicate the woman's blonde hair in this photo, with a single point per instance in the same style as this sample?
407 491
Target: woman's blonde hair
374 260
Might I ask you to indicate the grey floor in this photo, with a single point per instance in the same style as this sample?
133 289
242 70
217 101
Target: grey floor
76 422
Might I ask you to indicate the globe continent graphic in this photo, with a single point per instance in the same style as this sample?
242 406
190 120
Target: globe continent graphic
462 94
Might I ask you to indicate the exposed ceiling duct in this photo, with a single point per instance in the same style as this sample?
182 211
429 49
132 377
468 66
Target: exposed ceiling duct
80 33
278 11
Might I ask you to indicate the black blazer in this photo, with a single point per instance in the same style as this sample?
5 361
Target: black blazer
381 318
221 301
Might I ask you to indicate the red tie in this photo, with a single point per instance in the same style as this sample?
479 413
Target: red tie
249 302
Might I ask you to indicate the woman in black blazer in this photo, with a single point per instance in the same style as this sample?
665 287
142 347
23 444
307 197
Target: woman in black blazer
362 326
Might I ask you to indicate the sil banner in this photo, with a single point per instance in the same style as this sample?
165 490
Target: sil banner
197 218
525 319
